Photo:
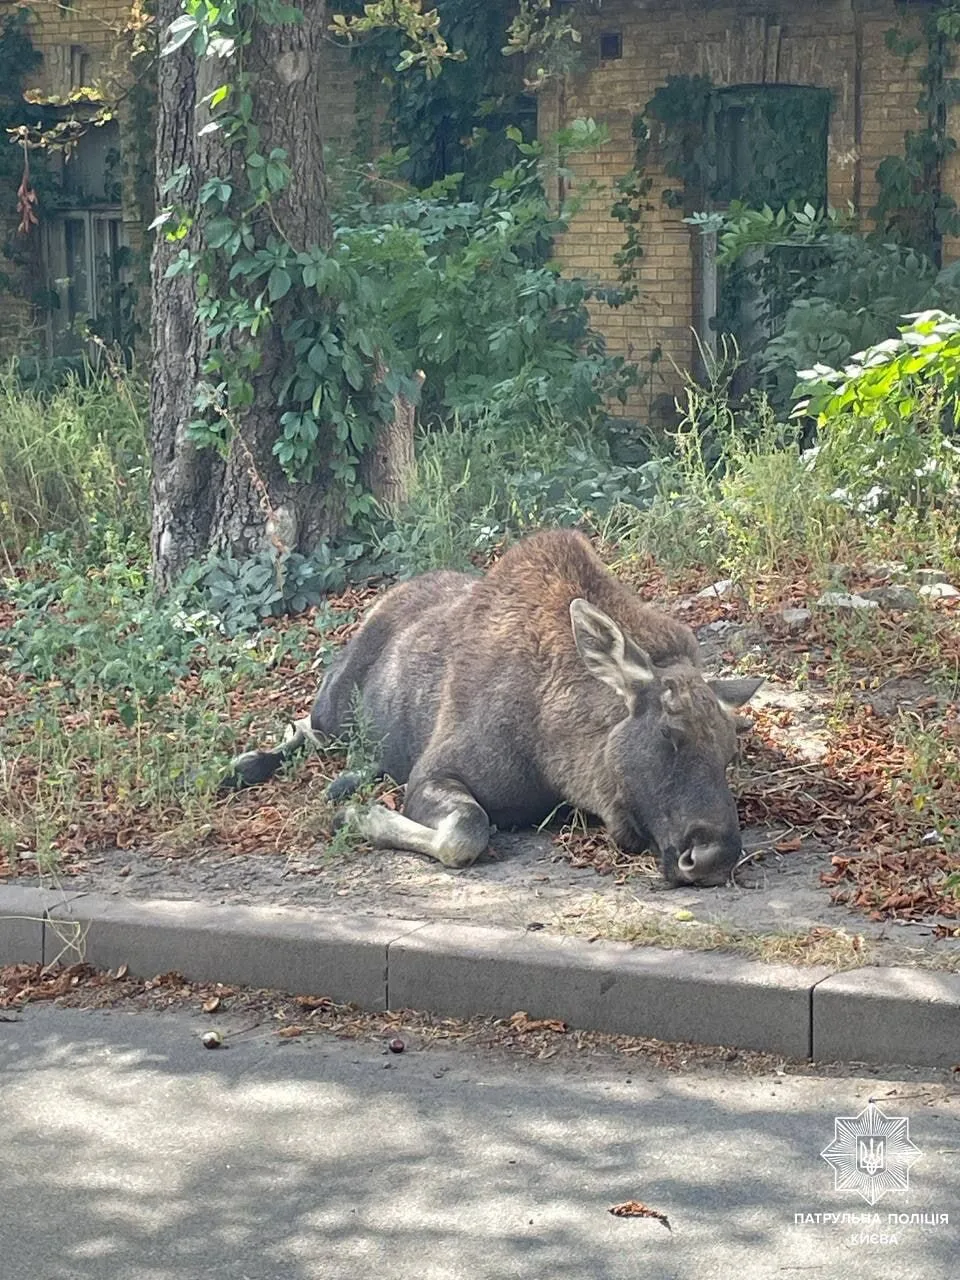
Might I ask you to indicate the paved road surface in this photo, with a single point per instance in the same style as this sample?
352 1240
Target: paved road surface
129 1152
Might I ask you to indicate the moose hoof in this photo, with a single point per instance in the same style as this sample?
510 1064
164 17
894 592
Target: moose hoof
344 786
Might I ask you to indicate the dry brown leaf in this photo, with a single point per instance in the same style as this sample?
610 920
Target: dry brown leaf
211 1005
314 1002
636 1209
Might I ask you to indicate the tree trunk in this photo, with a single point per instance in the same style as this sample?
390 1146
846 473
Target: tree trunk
388 467
184 480
202 501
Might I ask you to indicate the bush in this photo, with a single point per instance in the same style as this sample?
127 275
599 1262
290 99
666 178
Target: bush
815 290
887 421
465 291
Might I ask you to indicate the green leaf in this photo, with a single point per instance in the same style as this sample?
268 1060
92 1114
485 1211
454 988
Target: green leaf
317 358
278 284
178 33
218 231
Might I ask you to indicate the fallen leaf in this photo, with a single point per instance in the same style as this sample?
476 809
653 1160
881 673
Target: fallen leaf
211 1005
790 845
522 1022
314 1002
290 1033
636 1209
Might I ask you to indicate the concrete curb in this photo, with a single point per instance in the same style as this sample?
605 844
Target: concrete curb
873 1015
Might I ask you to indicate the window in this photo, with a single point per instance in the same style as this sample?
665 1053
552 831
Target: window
611 46
771 144
85 252
770 148
85 247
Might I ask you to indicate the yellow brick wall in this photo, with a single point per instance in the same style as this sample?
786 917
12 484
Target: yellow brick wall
817 42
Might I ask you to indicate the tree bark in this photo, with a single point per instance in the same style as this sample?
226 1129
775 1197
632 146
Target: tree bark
184 480
388 467
202 501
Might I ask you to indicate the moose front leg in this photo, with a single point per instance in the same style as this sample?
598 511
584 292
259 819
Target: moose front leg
626 835
440 819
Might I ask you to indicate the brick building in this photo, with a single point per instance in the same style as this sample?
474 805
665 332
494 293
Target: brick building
632 46
838 47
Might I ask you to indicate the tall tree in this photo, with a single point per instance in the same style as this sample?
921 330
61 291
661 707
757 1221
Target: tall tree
240 496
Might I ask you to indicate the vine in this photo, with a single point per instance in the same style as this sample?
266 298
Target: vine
454 123
912 205
633 189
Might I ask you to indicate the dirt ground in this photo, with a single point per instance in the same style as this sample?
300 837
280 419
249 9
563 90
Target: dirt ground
849 854
532 879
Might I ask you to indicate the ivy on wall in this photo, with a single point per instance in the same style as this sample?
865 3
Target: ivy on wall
913 208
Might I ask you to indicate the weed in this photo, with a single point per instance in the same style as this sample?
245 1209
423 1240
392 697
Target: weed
647 927
119 711
73 460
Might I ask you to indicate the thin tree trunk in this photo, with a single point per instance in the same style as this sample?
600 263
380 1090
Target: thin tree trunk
184 480
388 467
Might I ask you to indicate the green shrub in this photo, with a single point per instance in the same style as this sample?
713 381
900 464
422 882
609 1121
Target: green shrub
887 421
815 290
465 290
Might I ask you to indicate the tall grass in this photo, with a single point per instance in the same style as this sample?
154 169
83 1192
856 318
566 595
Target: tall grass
737 493
73 459
481 481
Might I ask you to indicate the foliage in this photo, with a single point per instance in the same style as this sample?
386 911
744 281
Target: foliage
912 205
544 34
414 283
483 483
888 420
425 45
695 126
633 189
73 457
243 593
820 290
733 492
455 122
463 292
97 625
119 709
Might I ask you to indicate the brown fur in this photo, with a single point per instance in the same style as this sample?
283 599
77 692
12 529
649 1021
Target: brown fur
494 701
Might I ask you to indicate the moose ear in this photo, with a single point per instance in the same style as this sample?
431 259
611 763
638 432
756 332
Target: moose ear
734 693
607 653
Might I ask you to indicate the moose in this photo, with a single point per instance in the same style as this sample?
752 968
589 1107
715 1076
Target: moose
546 681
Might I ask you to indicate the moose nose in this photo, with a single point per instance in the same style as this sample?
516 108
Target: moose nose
706 863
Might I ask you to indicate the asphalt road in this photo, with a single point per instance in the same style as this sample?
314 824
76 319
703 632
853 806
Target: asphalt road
128 1151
